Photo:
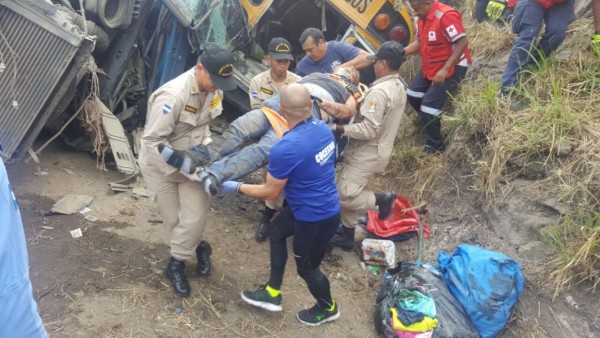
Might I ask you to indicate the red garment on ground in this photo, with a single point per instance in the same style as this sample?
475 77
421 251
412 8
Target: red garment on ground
398 223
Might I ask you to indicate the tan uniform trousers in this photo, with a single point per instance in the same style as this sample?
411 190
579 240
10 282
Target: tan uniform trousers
184 207
354 199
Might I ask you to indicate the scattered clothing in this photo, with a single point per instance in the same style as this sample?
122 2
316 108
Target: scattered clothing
406 334
427 324
409 317
416 301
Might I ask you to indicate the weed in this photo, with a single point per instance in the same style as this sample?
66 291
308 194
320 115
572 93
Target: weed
553 117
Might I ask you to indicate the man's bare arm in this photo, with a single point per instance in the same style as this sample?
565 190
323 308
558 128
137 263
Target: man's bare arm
339 110
268 191
412 48
360 61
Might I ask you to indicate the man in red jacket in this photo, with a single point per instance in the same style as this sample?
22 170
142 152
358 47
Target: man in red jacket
530 15
442 43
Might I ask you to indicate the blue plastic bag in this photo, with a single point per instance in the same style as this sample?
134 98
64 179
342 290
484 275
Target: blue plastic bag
488 284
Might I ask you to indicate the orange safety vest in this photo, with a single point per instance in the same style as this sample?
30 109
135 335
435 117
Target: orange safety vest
435 48
277 121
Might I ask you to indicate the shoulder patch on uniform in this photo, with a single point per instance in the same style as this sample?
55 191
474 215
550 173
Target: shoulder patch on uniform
194 90
254 93
451 31
372 107
266 91
215 102
167 107
191 109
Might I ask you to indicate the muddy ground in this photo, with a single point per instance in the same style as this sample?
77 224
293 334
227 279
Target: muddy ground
110 282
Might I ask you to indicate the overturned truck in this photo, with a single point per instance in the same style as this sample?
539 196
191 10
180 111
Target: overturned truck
84 69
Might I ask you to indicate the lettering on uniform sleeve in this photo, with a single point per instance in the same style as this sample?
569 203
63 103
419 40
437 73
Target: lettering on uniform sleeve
372 107
451 30
215 102
167 107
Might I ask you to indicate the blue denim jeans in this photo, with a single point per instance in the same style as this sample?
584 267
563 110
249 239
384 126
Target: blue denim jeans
527 23
230 159
244 147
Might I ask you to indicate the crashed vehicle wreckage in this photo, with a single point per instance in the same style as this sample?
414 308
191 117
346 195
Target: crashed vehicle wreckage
83 69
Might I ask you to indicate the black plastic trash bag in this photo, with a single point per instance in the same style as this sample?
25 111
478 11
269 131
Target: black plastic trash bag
453 322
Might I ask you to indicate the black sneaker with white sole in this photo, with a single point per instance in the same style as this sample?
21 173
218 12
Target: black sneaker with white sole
262 299
316 315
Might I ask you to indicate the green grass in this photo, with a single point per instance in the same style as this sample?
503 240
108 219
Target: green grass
557 108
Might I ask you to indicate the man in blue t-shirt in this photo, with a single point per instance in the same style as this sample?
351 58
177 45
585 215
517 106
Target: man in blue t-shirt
302 165
18 310
323 57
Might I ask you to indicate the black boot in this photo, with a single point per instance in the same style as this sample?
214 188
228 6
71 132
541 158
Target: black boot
176 274
203 252
344 241
385 202
263 227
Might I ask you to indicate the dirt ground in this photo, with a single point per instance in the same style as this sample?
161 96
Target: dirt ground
110 282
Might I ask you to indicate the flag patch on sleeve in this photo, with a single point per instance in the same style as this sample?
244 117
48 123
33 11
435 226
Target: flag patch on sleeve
167 108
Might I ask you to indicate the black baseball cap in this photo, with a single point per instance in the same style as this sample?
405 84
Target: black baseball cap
280 49
389 50
219 64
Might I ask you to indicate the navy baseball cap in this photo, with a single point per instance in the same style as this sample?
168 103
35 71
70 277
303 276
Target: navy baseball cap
280 49
389 50
219 64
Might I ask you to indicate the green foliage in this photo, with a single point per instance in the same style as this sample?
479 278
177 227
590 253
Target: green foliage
554 115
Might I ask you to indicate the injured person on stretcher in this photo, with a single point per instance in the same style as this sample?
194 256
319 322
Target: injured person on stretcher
244 147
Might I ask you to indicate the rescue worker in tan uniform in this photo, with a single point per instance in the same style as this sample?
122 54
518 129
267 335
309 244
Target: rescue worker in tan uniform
179 113
262 87
269 82
371 141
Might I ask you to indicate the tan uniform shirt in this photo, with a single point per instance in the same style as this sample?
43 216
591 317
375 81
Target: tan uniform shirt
179 115
376 124
262 87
